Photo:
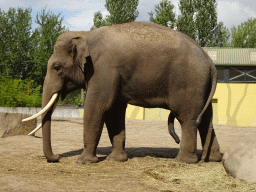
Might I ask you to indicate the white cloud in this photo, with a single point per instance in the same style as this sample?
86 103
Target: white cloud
83 19
105 13
6 4
80 23
70 5
234 12
75 5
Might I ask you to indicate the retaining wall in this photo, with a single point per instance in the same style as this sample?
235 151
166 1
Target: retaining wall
59 111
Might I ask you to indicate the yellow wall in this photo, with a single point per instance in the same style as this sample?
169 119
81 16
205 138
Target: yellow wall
233 104
236 104
134 112
158 114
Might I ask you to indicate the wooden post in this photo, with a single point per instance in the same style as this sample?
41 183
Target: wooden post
82 94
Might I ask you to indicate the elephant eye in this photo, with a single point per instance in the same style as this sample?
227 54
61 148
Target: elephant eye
57 68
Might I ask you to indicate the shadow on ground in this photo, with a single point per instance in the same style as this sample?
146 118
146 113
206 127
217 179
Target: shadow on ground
169 153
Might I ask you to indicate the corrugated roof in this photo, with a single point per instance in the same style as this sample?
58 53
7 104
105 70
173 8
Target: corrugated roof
232 56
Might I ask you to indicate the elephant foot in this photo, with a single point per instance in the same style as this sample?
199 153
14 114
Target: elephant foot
187 158
117 156
82 159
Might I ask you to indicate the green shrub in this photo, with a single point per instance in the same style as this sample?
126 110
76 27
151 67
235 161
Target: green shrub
73 98
19 93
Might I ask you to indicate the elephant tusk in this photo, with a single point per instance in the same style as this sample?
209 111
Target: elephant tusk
40 125
45 109
35 130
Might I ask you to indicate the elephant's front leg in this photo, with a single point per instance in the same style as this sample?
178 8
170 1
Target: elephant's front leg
93 124
100 98
115 122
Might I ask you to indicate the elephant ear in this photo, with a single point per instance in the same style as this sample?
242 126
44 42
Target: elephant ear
79 50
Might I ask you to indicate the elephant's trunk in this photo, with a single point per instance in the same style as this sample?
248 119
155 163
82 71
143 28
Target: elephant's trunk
46 130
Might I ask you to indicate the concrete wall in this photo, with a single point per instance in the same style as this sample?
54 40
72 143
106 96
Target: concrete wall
59 111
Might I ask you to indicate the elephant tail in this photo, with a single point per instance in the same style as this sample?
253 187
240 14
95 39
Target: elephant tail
213 88
171 128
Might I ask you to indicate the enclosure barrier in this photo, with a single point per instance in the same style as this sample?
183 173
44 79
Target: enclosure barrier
132 112
58 112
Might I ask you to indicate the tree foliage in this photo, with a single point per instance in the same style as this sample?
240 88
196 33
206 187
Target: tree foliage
164 14
15 43
121 11
220 37
185 21
19 93
73 98
205 21
44 37
98 20
244 35
198 19
24 53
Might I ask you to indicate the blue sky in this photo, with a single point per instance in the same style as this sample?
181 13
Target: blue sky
78 14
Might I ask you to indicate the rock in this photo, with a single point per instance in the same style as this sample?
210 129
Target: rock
240 159
11 124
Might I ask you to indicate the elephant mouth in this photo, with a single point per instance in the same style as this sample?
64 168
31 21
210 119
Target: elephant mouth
63 94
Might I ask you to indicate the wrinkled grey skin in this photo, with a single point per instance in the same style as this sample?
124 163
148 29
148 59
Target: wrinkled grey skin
139 63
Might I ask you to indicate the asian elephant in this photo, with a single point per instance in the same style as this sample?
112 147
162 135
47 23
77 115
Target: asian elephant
139 63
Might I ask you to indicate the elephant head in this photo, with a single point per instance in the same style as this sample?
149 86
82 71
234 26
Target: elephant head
65 73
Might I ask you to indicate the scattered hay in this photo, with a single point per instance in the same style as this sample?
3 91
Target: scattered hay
200 177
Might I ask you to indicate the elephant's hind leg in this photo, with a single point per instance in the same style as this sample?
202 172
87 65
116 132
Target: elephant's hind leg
115 122
211 151
187 153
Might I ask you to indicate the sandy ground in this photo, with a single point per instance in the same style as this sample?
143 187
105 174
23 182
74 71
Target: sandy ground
151 166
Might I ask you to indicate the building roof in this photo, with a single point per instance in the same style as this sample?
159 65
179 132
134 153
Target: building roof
232 56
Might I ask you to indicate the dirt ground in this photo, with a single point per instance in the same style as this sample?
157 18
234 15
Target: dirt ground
150 167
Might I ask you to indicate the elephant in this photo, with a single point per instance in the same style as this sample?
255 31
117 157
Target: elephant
138 63
239 159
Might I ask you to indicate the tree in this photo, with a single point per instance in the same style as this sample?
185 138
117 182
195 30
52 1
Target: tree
244 35
198 19
206 21
185 21
15 43
164 14
24 53
98 21
44 37
221 36
121 11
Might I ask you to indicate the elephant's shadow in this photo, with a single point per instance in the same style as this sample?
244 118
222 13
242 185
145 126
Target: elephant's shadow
169 153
